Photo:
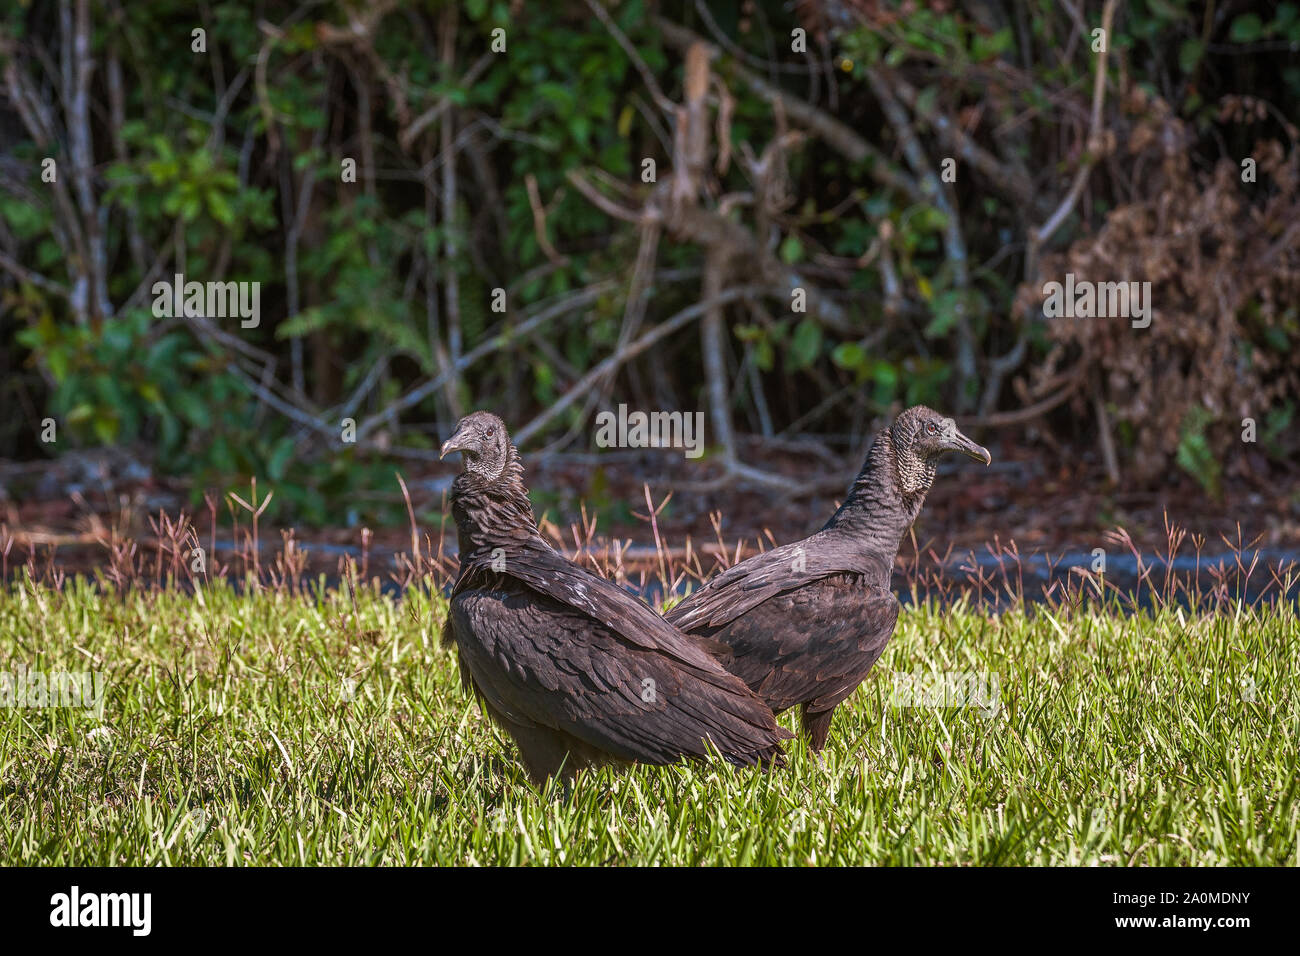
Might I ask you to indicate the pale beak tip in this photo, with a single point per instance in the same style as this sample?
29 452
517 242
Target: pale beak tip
970 449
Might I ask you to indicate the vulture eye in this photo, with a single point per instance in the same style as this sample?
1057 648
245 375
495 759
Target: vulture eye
491 432
931 428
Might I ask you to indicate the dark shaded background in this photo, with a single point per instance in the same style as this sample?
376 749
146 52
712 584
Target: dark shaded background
779 166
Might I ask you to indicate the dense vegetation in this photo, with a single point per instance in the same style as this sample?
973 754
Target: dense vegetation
798 150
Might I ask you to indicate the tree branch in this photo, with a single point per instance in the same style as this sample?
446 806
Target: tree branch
631 351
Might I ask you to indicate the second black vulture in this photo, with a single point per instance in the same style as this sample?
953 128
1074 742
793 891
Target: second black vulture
577 670
804 623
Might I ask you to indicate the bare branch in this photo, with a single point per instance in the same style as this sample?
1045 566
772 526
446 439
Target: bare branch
23 274
425 119
631 351
837 135
418 394
647 77
1094 147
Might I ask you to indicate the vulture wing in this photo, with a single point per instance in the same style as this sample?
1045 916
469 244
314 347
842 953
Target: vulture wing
745 586
812 644
539 662
556 646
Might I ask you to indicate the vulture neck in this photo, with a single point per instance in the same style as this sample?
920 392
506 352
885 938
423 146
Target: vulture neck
492 513
884 500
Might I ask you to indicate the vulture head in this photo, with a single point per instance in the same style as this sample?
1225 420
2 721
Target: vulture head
483 442
919 436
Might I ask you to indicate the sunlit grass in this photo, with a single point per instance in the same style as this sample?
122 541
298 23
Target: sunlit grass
228 737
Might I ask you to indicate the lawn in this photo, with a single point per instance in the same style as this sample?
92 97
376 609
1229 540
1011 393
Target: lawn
271 728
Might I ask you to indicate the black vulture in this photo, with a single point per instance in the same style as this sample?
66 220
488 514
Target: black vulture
577 670
804 623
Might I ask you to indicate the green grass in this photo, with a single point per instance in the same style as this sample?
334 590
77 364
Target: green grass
225 739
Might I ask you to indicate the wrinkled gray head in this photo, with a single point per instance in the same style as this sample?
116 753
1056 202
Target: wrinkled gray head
920 435
483 442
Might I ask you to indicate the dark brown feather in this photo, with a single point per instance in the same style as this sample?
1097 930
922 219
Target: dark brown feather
803 624
577 670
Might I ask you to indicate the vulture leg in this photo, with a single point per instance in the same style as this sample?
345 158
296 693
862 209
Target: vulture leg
816 725
546 752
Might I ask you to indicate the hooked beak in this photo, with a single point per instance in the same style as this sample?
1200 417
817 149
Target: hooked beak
454 443
960 443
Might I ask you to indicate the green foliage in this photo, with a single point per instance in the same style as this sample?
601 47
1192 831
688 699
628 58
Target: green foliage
185 185
111 380
182 190
1196 453
941 35
143 379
